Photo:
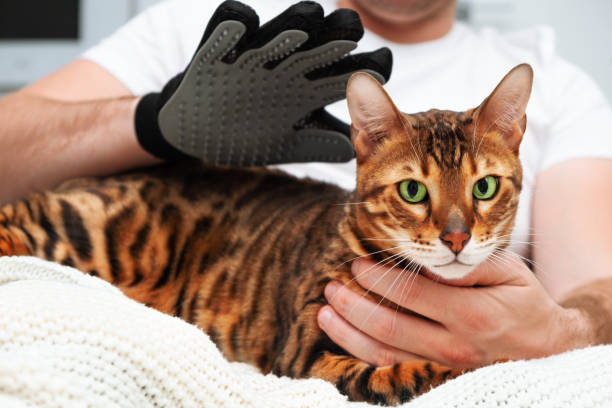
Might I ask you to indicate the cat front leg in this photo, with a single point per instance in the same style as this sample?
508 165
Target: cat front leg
390 385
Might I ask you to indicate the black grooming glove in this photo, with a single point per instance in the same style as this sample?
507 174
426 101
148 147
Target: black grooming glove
255 95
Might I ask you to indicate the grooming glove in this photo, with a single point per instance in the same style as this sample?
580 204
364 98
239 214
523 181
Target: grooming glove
254 95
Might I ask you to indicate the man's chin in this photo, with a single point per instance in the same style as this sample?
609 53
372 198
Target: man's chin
451 271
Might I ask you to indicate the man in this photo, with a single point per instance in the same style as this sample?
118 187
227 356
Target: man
79 121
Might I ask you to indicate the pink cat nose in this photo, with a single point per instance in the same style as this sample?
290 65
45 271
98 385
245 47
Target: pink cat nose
455 240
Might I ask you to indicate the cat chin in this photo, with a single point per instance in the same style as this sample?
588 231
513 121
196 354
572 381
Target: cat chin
453 270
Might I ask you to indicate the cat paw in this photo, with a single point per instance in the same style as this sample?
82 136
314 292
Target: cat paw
401 382
9 245
390 385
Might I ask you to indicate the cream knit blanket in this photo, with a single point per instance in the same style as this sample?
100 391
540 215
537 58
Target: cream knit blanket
70 340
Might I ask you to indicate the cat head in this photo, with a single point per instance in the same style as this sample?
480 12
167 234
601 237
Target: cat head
439 188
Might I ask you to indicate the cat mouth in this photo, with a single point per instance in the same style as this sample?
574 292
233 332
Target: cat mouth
455 262
452 270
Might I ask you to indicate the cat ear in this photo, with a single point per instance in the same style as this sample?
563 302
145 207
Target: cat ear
503 111
372 112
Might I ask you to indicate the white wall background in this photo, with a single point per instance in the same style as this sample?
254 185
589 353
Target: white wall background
583 28
584 33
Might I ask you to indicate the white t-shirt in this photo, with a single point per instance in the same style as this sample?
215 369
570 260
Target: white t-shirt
567 115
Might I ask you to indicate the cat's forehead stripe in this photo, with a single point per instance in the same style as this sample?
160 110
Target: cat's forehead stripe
442 135
434 116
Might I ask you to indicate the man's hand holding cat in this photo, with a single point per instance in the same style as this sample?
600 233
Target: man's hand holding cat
500 311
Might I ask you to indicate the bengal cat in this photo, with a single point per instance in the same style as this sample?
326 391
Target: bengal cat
245 254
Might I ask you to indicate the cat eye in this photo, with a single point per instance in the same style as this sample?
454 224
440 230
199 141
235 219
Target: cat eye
412 191
485 188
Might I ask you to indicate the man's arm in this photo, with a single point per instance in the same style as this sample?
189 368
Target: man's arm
96 127
572 218
79 121
571 221
79 81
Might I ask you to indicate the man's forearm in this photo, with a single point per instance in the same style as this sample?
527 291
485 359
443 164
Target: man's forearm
44 141
594 301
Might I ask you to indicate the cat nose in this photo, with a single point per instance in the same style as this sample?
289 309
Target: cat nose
455 240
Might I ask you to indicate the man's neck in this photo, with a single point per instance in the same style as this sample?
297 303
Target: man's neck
430 28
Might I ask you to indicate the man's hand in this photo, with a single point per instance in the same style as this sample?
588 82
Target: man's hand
255 95
500 311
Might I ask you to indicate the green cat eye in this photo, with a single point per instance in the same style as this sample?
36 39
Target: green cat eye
412 191
485 188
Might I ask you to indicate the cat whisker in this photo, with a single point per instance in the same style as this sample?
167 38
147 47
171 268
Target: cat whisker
510 262
413 268
497 261
507 241
484 133
501 251
474 133
383 297
399 276
414 273
384 262
404 288
380 278
359 203
512 241
371 253
420 153
529 261
387 239
528 233
532 245
502 263
497 253
509 236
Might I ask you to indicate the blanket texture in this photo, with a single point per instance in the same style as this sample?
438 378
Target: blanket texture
70 340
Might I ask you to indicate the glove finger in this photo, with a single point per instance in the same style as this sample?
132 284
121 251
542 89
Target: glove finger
282 45
221 42
230 11
320 145
328 90
342 24
306 16
379 62
332 89
322 119
303 62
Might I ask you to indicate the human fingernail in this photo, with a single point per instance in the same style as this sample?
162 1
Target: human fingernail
325 317
330 290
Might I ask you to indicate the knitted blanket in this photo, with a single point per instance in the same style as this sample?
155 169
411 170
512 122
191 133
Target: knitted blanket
70 340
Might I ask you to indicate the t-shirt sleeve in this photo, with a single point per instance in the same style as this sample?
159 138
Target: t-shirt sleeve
581 120
154 46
